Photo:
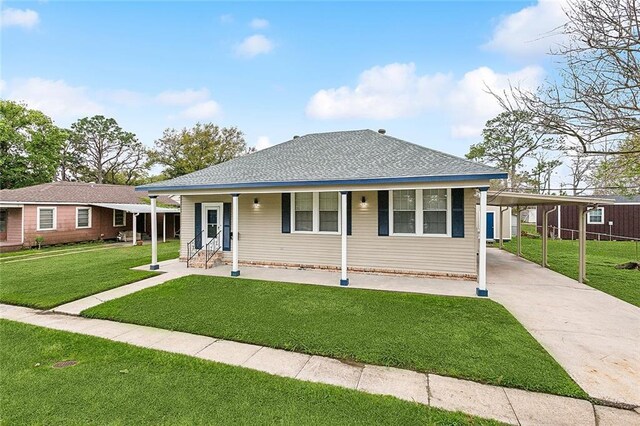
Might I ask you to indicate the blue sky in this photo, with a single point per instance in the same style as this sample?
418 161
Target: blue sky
417 69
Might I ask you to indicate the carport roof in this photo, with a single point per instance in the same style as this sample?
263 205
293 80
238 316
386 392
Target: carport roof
521 199
135 208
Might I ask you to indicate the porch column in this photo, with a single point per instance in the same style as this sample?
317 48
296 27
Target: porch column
134 229
164 227
481 290
344 280
154 234
582 236
235 271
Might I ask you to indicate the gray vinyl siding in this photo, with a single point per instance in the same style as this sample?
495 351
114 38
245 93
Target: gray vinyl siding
261 239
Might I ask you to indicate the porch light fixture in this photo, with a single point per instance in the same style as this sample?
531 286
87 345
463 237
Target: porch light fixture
256 203
363 202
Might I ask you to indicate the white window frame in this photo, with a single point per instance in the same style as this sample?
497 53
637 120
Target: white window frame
55 219
419 214
590 222
315 214
89 221
124 219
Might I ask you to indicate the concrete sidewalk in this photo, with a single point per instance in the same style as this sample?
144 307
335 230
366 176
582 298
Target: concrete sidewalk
504 404
595 337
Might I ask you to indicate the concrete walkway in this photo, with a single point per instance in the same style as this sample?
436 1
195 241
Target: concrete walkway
594 336
504 404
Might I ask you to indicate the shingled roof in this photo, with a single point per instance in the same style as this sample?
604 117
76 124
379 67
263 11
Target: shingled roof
77 192
355 156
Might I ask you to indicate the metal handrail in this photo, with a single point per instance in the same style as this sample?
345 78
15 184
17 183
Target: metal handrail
192 249
211 248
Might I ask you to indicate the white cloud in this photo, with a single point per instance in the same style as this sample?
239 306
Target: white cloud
391 91
25 18
263 142
397 91
533 30
202 111
470 105
254 45
259 24
182 97
55 98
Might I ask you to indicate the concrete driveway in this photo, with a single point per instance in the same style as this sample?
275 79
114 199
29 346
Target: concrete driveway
593 335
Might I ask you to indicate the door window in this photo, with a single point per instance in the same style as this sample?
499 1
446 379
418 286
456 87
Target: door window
212 223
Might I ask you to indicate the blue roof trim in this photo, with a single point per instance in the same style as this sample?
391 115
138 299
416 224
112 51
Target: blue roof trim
444 178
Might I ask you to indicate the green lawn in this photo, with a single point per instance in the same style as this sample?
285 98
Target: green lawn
51 250
462 337
45 283
602 256
115 383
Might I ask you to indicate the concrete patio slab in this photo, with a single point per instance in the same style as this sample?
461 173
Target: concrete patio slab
183 343
277 362
540 409
227 352
331 371
608 416
470 397
403 384
594 336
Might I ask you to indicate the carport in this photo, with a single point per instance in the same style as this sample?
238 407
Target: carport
517 200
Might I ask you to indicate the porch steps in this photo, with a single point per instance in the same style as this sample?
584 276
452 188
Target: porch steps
198 260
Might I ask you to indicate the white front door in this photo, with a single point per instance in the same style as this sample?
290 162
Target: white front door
212 214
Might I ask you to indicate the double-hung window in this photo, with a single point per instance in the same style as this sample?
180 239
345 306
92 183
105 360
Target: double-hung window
434 211
304 211
46 218
83 217
3 220
317 212
404 211
420 212
596 216
119 218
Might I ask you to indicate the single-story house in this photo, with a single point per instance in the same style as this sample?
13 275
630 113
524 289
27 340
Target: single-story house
350 200
65 212
617 221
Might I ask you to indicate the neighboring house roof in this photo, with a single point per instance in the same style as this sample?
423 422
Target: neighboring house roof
78 192
356 156
624 199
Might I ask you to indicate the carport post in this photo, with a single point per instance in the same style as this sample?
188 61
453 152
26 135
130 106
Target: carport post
519 231
164 227
154 234
235 270
344 280
545 236
482 249
582 244
500 225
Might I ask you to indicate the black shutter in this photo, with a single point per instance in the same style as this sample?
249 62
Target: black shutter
457 212
286 213
349 211
198 223
226 226
383 213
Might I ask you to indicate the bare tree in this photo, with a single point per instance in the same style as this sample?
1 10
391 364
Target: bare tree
540 175
582 167
597 95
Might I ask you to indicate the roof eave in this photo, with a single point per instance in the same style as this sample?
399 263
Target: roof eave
410 179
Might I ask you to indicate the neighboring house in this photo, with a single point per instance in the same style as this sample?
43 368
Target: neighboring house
64 212
351 200
621 219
